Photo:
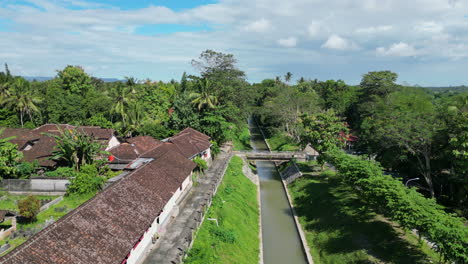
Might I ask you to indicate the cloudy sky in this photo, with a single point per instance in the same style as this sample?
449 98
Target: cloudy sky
424 41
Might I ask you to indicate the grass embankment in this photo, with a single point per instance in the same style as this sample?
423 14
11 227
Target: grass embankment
235 206
242 139
282 142
340 229
56 211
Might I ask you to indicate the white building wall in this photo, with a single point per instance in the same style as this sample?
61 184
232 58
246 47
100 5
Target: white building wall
208 154
113 142
137 254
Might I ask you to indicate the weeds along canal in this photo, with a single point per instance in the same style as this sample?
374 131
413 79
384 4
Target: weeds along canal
281 240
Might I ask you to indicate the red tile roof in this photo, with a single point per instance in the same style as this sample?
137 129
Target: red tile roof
144 143
190 142
43 145
104 229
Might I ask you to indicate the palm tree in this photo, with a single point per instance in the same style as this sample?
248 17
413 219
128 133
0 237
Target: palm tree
203 98
22 99
5 82
135 119
288 77
75 148
121 96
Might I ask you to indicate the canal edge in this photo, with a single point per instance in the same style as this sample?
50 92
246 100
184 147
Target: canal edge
255 179
299 229
298 225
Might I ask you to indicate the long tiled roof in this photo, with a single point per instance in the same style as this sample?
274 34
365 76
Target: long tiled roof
104 229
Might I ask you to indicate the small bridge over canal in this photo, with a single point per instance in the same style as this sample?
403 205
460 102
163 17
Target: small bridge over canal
273 155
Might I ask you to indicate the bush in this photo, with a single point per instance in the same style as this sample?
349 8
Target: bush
62 172
29 207
224 235
328 173
86 181
25 169
201 163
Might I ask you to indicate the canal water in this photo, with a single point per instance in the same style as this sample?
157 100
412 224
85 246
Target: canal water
281 241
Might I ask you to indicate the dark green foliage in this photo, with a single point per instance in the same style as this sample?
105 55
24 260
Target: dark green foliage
87 180
62 172
9 158
75 148
389 196
340 228
226 236
26 169
29 207
201 163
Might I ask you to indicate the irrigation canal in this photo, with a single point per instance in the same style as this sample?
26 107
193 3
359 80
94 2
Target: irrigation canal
281 241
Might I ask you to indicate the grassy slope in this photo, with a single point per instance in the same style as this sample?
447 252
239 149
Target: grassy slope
339 228
236 240
242 139
282 142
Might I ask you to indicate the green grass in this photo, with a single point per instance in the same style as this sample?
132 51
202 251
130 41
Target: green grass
340 229
10 202
68 203
282 142
236 240
242 139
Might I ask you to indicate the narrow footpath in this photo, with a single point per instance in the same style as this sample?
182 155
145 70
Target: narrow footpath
172 245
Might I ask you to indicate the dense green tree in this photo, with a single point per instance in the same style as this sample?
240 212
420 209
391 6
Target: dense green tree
406 120
74 80
324 131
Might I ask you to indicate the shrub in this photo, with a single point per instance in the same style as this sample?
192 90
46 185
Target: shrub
224 235
62 172
25 169
328 173
86 181
201 163
29 207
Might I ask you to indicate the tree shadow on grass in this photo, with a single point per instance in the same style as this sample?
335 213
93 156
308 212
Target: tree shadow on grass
344 226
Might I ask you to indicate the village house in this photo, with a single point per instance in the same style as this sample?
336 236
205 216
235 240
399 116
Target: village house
121 222
35 145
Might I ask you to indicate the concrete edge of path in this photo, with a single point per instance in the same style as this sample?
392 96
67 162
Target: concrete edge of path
298 225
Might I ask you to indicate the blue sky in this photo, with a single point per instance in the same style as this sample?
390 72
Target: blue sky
424 41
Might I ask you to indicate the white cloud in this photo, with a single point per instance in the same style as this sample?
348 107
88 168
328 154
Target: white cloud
314 29
338 43
41 40
429 27
373 30
260 26
400 49
290 42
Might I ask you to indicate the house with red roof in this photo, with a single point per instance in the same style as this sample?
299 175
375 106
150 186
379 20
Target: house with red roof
120 223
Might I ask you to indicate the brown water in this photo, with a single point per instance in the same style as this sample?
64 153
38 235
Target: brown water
281 241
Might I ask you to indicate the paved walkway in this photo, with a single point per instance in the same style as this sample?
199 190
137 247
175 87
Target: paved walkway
178 236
